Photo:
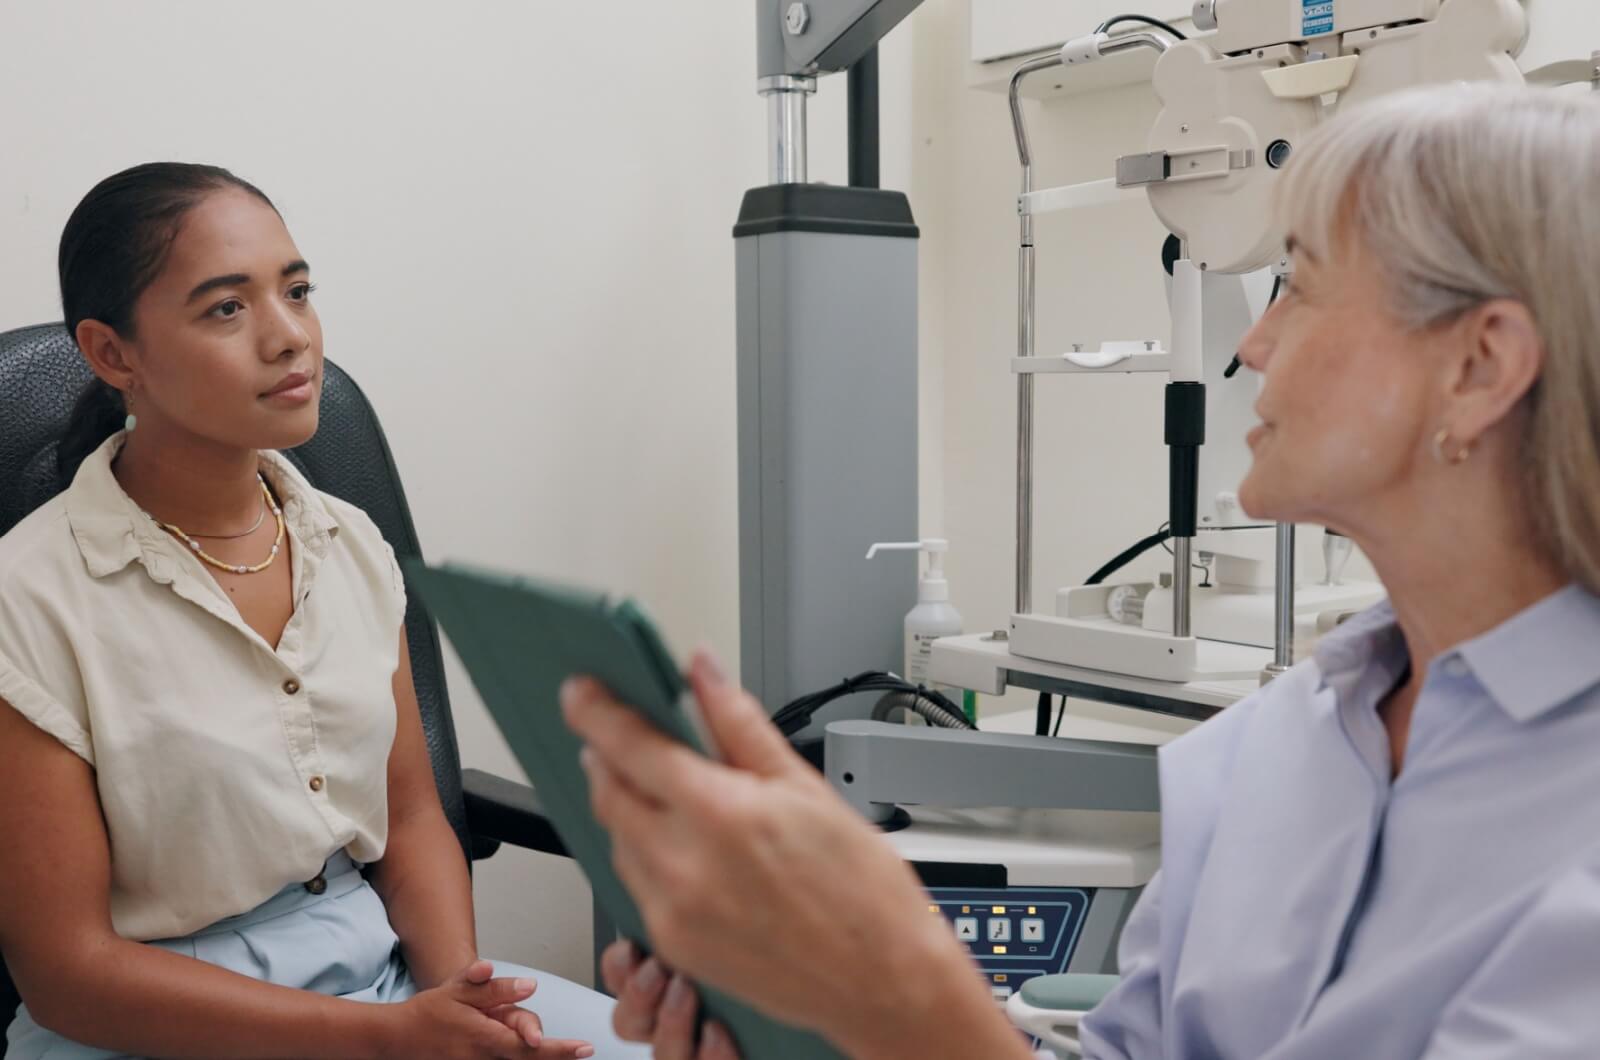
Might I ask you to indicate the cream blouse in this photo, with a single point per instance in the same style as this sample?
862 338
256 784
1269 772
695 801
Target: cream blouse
226 769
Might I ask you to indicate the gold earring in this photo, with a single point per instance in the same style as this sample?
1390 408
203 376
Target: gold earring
1461 454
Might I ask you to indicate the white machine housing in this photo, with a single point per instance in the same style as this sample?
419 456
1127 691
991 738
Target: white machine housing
1260 80
1234 105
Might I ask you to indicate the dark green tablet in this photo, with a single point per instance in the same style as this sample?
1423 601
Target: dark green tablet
520 640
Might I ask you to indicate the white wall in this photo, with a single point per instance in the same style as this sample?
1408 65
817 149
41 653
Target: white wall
519 216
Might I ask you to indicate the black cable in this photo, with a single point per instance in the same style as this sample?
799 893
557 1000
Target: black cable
1060 713
1205 582
797 715
1128 555
1105 27
1041 714
1235 364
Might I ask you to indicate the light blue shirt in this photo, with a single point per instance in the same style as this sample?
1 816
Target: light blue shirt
1311 908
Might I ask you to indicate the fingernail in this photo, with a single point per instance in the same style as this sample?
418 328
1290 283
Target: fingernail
586 760
715 1039
650 976
584 1051
679 995
710 672
524 986
569 693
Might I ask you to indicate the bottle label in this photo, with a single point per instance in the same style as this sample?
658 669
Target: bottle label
920 657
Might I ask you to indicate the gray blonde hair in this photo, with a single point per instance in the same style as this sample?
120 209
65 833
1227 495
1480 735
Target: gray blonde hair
1468 193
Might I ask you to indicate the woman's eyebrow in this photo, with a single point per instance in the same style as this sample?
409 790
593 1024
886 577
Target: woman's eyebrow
232 279
240 279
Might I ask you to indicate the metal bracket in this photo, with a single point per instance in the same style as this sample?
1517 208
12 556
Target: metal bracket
1150 168
1111 357
1199 163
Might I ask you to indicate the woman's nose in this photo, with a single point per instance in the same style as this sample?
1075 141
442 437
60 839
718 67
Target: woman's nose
286 336
1255 349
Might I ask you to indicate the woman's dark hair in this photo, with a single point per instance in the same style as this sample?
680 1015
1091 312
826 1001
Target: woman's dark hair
113 247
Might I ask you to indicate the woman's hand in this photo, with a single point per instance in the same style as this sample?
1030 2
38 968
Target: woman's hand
754 877
656 1006
474 1016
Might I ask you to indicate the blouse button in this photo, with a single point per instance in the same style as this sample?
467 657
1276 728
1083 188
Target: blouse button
317 884
317 783
291 686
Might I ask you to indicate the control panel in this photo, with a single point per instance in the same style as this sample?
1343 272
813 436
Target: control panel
1014 933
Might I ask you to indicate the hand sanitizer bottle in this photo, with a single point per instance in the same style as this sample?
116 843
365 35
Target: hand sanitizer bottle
932 618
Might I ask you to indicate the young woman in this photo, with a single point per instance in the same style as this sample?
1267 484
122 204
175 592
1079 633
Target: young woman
207 719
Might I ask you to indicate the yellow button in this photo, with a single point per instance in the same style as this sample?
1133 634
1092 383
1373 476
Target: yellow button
316 783
999 949
291 686
998 909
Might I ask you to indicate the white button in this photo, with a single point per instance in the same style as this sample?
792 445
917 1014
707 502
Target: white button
1000 993
1456 667
1033 930
967 928
999 930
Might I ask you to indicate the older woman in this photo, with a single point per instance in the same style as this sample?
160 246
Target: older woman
1392 851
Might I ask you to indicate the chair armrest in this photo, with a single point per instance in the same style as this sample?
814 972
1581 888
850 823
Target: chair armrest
1050 1007
1072 992
504 811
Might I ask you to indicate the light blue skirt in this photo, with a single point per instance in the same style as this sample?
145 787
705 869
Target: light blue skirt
337 943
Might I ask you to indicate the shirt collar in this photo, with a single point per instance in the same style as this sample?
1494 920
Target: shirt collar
1529 665
1366 649
112 531
1541 657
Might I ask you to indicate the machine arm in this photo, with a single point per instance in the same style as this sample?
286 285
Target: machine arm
876 765
803 38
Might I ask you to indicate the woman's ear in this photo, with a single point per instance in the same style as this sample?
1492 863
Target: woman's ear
107 354
1502 357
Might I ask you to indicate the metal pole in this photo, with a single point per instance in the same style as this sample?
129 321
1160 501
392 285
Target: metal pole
786 126
1283 605
1025 383
1180 586
1025 341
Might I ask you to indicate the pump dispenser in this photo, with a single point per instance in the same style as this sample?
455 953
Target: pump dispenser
933 617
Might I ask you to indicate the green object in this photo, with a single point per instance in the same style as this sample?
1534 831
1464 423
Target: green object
969 704
1073 992
520 640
